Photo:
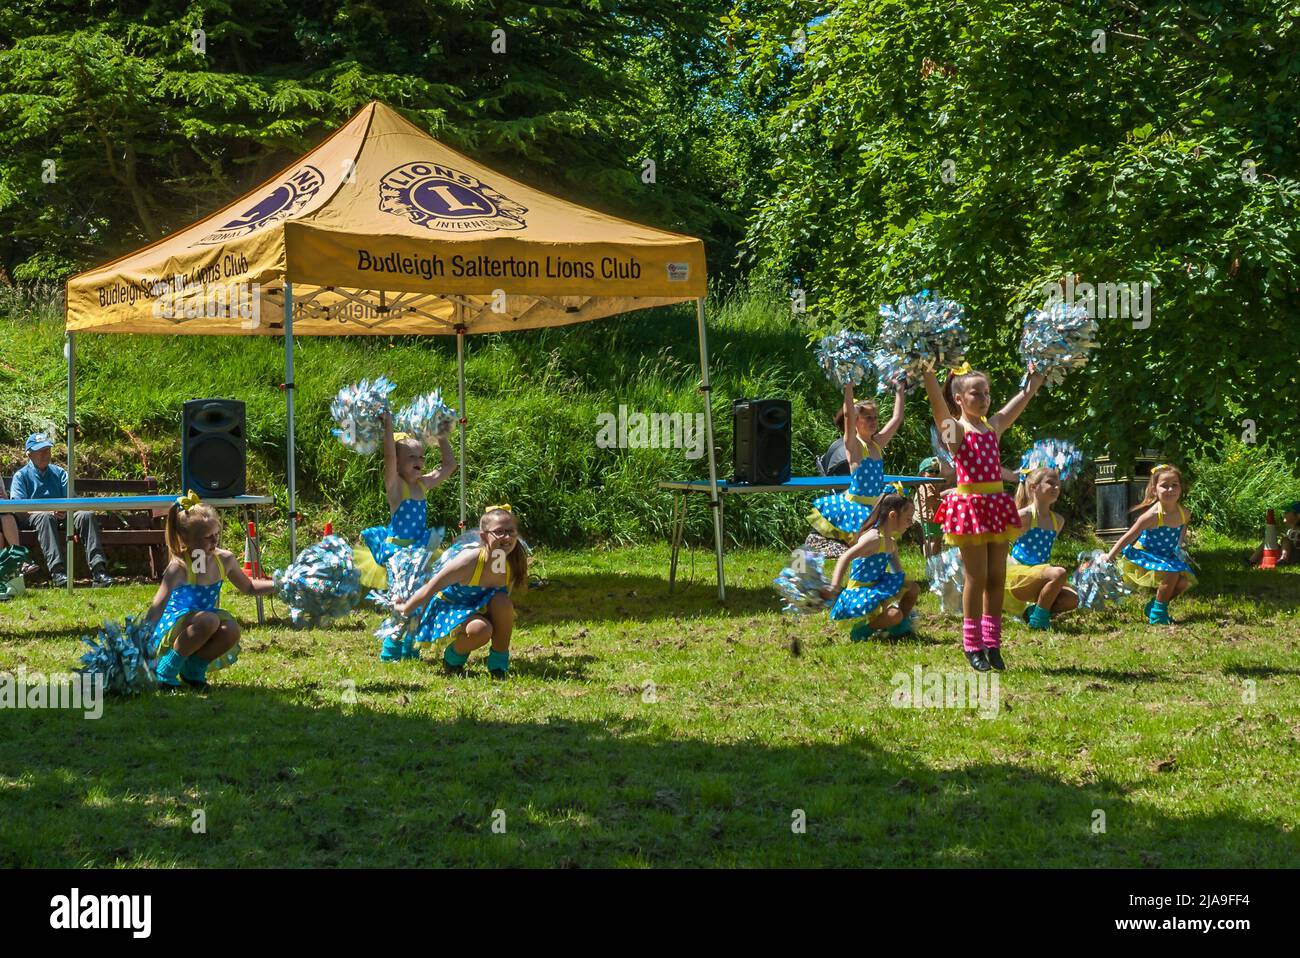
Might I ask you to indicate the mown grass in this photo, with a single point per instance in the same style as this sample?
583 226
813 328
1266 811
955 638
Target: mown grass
1185 738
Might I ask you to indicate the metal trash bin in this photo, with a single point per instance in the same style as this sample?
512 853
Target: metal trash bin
1118 492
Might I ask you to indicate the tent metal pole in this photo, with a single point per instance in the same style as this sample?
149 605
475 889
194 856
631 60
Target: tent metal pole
464 419
288 398
715 501
70 351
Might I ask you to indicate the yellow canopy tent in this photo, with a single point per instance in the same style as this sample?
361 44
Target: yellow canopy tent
382 230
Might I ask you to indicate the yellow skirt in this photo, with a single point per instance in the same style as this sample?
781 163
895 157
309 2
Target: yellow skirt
824 528
1146 578
1018 575
1008 535
174 633
373 575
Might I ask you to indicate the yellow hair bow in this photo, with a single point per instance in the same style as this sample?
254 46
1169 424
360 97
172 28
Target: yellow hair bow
188 501
1163 465
899 488
399 436
504 507
961 370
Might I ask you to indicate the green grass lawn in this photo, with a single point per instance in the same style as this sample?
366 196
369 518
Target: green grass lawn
1185 738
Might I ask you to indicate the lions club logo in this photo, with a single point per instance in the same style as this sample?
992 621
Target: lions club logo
281 203
440 198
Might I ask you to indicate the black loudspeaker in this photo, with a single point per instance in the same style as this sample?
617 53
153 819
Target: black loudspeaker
213 448
761 428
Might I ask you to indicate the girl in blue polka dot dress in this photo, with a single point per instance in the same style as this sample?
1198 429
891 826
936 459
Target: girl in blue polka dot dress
192 632
470 590
1035 588
1156 560
407 484
876 593
840 516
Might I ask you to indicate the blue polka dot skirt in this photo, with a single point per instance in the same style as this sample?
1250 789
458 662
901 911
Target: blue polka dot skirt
409 526
1154 556
872 586
841 516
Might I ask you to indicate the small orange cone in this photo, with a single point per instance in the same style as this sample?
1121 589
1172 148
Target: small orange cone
329 529
252 560
1271 554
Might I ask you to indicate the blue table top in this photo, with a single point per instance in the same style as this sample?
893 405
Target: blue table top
796 483
120 503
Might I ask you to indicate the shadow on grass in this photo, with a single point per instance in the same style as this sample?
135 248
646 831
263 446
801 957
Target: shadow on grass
595 597
286 784
1106 675
1259 671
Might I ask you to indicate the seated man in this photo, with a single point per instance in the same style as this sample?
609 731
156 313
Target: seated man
41 480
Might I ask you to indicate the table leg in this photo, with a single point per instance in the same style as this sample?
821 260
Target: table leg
679 521
255 552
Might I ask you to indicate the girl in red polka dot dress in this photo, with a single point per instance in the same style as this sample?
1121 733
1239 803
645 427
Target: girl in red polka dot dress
979 517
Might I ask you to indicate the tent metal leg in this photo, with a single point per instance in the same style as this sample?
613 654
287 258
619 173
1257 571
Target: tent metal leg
288 398
464 419
715 501
70 351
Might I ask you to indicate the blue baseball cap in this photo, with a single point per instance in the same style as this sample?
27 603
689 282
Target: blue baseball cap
38 440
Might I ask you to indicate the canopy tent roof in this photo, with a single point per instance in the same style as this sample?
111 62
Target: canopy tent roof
382 230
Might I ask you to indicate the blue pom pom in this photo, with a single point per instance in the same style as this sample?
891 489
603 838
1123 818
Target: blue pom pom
1065 457
800 584
321 584
121 656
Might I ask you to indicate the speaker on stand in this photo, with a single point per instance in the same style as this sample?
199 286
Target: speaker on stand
214 448
761 430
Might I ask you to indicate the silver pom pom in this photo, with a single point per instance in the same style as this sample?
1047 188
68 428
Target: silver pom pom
122 655
845 358
1098 581
947 575
359 411
426 418
800 584
1058 339
408 571
916 332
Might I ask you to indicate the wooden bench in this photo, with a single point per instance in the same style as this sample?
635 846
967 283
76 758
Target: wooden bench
117 531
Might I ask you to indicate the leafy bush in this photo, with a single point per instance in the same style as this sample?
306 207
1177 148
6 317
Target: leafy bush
1233 485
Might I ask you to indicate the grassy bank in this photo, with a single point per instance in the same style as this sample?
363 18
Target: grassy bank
534 400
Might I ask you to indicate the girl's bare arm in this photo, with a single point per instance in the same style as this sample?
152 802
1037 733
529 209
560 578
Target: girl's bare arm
1016 405
896 420
944 421
1144 522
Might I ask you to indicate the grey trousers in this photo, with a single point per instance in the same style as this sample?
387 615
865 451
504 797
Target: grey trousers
50 530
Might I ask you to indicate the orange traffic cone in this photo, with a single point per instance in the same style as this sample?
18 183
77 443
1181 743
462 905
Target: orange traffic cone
1269 559
252 560
329 529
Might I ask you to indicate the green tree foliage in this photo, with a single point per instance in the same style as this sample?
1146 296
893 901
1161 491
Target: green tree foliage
147 128
1162 149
